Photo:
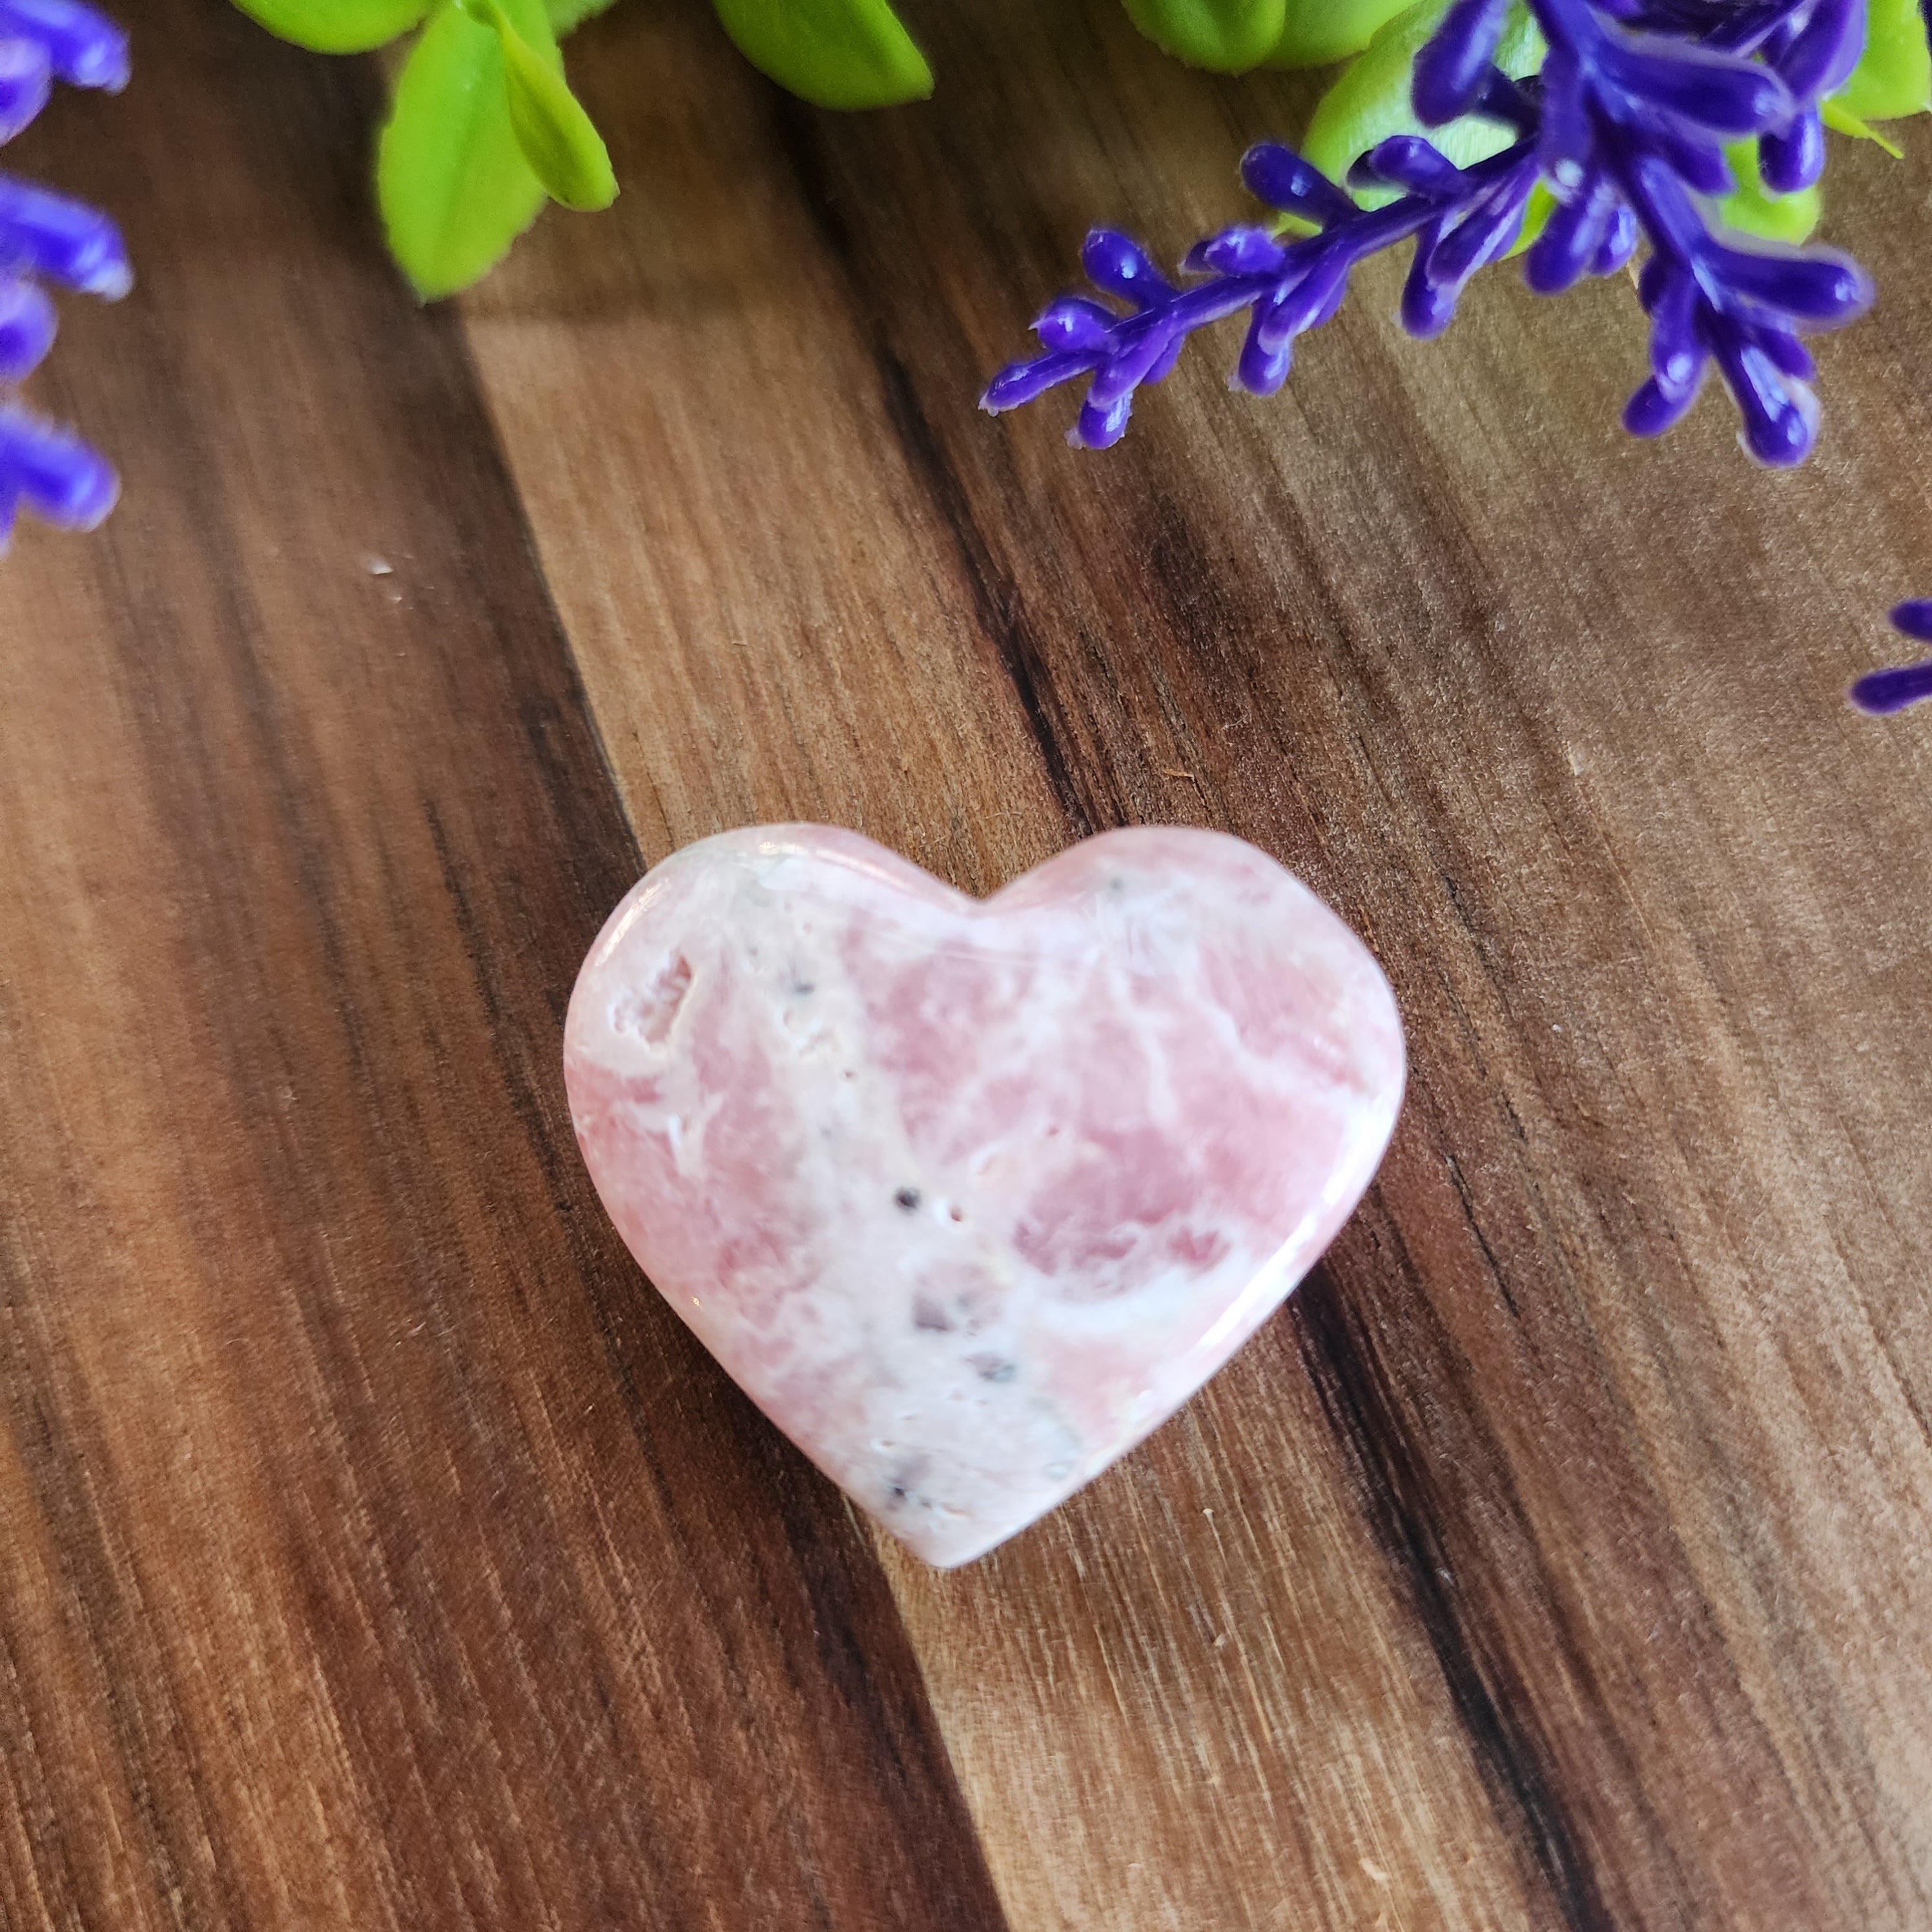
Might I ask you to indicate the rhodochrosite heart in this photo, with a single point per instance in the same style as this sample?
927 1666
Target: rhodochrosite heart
969 1196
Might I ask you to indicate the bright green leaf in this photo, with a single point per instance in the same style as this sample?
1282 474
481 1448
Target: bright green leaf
1315 32
454 187
834 53
1894 76
1838 117
1371 100
336 26
1754 208
1536 213
567 16
565 151
1227 36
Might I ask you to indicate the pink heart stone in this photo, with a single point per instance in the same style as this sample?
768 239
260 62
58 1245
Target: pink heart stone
969 1196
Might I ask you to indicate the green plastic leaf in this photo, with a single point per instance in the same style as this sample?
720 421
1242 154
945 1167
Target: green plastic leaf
1754 209
336 26
565 151
1315 32
454 188
1841 121
1371 100
1894 76
567 16
1537 212
834 53
1226 36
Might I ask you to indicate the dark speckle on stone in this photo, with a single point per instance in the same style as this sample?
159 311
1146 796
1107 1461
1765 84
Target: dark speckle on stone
902 1485
992 1368
908 1199
800 988
927 1314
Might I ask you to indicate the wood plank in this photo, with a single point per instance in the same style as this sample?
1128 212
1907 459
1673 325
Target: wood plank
1565 1534
375 1549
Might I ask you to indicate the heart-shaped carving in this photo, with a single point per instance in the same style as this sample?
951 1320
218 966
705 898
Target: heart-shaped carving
968 1196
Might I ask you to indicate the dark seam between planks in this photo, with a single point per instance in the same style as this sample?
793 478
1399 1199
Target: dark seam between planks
993 607
1513 1759
1510 1757
994 599
1498 1274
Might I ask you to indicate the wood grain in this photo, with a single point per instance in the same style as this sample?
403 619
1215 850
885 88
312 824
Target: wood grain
377 1550
1550 1429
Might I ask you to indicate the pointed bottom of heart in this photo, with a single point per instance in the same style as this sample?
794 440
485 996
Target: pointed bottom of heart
970 1195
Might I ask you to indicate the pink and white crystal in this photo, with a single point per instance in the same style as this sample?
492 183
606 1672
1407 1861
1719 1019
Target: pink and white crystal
970 1195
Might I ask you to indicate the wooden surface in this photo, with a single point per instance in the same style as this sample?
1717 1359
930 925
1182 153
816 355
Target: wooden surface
376 1550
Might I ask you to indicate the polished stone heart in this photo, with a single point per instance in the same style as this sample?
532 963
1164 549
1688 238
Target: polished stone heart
968 1196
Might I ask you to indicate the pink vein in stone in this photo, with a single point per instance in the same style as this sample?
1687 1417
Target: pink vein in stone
969 1196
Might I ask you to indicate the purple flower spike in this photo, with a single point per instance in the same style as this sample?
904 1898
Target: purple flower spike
1470 214
1408 161
45 236
54 473
26 79
1450 70
1235 251
1074 322
1626 127
1280 178
1115 262
66 241
26 329
1626 124
1819 57
1914 618
1795 158
1879 693
1619 243
86 48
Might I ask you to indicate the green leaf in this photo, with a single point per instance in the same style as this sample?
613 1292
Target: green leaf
1754 209
565 151
336 26
1315 32
454 188
1226 36
1536 213
567 16
834 53
1371 100
1838 117
1894 76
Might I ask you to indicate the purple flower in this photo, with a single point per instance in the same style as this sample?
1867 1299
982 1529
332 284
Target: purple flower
1626 124
1633 123
45 238
1881 692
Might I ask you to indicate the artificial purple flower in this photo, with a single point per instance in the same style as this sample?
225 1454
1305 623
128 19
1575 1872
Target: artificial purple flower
1881 692
45 237
1626 124
1636 121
